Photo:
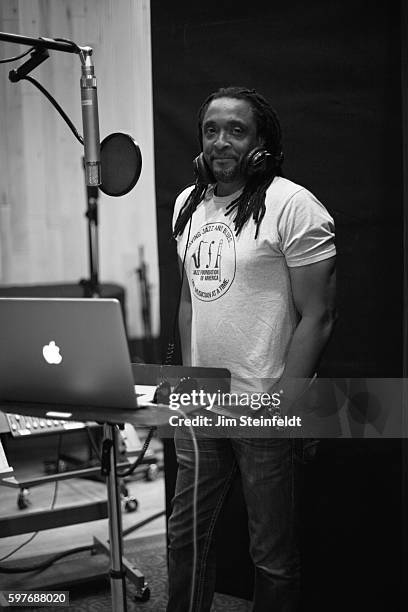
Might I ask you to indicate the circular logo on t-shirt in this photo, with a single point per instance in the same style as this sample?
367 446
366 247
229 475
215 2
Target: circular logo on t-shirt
212 261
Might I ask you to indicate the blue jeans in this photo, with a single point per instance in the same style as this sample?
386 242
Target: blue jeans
267 469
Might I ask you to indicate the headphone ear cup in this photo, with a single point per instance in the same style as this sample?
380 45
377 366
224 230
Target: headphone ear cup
256 161
202 171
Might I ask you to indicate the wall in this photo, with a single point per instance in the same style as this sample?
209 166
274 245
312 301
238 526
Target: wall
43 231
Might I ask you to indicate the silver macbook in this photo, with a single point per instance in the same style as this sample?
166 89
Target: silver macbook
65 351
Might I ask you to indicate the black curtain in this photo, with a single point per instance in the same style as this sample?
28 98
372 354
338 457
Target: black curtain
332 70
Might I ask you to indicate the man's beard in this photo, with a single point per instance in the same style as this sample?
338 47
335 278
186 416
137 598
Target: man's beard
227 175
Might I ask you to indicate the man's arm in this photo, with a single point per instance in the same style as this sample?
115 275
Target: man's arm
313 289
185 319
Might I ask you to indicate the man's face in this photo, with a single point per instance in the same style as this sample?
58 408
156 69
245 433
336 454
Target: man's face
229 133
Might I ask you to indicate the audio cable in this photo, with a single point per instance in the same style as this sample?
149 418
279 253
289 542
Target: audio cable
44 564
16 57
128 471
55 104
163 388
21 73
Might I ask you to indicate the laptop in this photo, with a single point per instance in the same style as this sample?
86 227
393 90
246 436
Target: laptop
74 351
65 351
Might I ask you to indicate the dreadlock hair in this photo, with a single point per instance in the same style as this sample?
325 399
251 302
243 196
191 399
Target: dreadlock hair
251 202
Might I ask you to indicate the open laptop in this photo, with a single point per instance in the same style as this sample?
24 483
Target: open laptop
65 351
74 351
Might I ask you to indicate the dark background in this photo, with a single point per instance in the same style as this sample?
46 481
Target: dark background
332 70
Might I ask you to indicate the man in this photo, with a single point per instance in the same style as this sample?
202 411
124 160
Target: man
258 254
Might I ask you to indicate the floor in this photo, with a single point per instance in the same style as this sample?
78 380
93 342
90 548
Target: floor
150 497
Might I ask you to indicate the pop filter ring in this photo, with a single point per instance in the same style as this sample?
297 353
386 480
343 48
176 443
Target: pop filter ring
108 157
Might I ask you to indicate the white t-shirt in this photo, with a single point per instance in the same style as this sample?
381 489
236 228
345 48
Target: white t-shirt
243 315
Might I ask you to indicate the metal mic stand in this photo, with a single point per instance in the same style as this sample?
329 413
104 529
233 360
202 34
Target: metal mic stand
91 286
117 572
90 121
91 164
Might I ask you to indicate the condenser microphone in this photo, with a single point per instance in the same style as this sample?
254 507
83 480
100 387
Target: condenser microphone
90 120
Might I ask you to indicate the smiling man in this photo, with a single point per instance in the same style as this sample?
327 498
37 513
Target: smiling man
258 257
229 133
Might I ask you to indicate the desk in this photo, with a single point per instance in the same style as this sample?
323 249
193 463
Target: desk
152 415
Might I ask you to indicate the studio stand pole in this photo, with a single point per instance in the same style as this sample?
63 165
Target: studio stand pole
91 164
90 123
92 167
91 286
117 572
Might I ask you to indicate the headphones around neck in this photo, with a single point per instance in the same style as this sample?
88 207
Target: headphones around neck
257 161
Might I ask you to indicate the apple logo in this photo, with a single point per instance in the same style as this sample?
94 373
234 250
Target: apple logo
51 353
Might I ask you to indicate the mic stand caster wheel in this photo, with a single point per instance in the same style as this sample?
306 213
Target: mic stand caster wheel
143 594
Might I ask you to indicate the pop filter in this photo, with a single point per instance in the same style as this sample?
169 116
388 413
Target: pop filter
121 164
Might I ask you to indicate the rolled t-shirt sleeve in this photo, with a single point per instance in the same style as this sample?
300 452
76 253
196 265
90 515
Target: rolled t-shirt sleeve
306 230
